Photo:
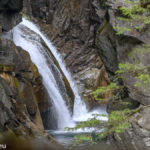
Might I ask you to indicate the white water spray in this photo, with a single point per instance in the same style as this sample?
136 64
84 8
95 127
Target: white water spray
79 105
33 47
80 111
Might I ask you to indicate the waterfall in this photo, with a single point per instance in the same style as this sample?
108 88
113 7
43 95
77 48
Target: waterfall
30 42
27 42
80 109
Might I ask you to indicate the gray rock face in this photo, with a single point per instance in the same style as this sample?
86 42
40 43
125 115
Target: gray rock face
6 106
17 82
137 137
106 43
9 13
11 5
115 49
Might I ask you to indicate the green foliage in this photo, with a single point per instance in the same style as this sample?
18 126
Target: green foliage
135 15
121 30
89 123
118 122
144 81
138 54
26 16
98 94
140 71
134 11
128 67
103 3
83 138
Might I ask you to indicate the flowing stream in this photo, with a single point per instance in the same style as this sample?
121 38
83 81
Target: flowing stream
28 36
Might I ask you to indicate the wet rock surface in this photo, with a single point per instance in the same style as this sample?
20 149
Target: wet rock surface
18 80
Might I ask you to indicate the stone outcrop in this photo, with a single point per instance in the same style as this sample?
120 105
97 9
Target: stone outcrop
115 49
19 78
136 137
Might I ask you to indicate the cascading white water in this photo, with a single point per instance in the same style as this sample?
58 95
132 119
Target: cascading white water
31 45
79 106
80 111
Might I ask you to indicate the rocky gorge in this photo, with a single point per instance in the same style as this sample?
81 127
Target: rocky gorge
85 35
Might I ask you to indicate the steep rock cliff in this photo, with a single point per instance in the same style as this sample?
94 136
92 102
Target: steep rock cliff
21 86
115 48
